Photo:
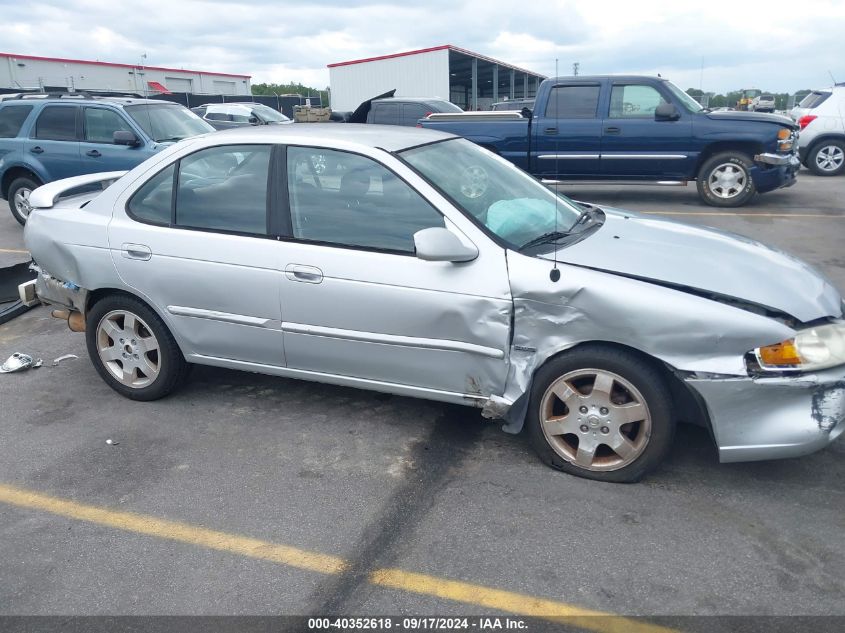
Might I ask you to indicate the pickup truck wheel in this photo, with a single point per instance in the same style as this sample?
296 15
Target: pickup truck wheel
19 192
600 413
132 349
724 180
827 158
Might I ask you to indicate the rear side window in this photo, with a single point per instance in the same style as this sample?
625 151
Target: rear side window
225 189
153 201
101 124
573 102
12 118
57 123
387 114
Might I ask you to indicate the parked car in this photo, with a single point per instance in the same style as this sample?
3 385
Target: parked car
763 103
513 104
813 99
638 129
407 111
222 116
430 267
822 140
46 138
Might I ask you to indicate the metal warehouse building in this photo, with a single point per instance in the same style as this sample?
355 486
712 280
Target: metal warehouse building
26 72
467 79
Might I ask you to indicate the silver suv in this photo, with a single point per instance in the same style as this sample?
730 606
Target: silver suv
821 117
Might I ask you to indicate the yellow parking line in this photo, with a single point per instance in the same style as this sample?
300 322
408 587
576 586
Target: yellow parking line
748 215
14 250
478 595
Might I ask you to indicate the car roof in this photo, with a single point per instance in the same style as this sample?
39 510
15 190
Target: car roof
392 138
411 99
39 99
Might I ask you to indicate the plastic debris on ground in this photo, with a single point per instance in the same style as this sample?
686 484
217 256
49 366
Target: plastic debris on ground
58 360
19 362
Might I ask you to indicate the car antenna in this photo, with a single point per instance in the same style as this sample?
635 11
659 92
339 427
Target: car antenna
554 274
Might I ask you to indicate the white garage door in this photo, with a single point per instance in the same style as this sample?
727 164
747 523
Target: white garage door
224 87
179 84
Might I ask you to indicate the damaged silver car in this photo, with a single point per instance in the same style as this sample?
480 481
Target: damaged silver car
425 266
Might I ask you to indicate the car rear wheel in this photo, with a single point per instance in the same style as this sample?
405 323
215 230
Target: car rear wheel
827 158
19 192
132 349
600 413
724 180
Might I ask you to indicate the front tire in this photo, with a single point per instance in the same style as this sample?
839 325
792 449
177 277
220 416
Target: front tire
724 180
827 158
600 413
19 192
132 349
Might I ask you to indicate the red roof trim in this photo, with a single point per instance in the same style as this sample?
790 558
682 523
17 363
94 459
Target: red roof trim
374 59
114 64
430 50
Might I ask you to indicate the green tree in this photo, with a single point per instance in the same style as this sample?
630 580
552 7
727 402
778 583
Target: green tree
289 89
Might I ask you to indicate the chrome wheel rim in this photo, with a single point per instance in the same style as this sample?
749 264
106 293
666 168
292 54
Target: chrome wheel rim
595 419
21 201
727 180
830 158
128 349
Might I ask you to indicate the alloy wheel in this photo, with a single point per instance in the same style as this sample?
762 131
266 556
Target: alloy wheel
830 158
21 202
128 349
727 180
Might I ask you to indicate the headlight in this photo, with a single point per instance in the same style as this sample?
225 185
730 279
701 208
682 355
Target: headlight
814 348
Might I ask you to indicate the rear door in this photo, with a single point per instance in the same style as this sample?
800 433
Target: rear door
635 145
567 134
54 141
97 149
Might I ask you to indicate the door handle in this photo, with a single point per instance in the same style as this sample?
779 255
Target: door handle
304 274
93 152
550 130
37 150
612 130
136 251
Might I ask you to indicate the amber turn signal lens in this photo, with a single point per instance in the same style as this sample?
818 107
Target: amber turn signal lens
781 354
784 133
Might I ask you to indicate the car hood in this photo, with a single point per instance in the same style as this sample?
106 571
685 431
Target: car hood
705 260
740 115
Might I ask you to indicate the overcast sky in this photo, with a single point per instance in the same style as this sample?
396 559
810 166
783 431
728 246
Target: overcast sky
773 45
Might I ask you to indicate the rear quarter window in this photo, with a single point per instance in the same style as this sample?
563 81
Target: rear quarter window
12 118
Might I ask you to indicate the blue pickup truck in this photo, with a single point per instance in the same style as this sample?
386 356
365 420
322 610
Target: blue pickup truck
637 129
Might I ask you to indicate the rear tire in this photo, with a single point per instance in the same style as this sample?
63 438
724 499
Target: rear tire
827 158
724 180
19 192
601 413
132 349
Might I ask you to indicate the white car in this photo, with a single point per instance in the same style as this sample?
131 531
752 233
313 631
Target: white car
763 103
821 117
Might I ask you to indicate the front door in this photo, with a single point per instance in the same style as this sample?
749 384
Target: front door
205 257
357 302
97 150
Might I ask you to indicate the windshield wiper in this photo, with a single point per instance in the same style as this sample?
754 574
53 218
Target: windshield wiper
585 217
171 138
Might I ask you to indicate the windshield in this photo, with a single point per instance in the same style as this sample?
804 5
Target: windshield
163 122
509 202
690 104
269 114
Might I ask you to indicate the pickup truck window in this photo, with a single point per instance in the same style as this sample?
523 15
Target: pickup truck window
510 203
573 102
634 101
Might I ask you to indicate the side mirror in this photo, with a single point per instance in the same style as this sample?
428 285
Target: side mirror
253 120
437 244
666 112
125 137
527 113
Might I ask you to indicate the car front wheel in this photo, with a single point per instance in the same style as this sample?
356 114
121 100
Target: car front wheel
724 180
132 349
600 413
827 158
19 192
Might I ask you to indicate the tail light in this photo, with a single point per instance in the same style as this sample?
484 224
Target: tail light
805 120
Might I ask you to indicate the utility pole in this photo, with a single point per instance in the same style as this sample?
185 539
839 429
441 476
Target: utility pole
575 66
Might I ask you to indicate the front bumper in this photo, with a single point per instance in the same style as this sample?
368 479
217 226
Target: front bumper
773 171
774 417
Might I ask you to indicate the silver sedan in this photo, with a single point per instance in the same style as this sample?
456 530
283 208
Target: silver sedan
420 264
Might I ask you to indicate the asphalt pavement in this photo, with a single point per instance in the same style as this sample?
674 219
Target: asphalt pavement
405 506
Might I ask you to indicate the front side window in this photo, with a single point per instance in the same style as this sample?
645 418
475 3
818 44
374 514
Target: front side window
101 124
633 101
573 102
12 118
57 123
510 203
225 189
357 202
